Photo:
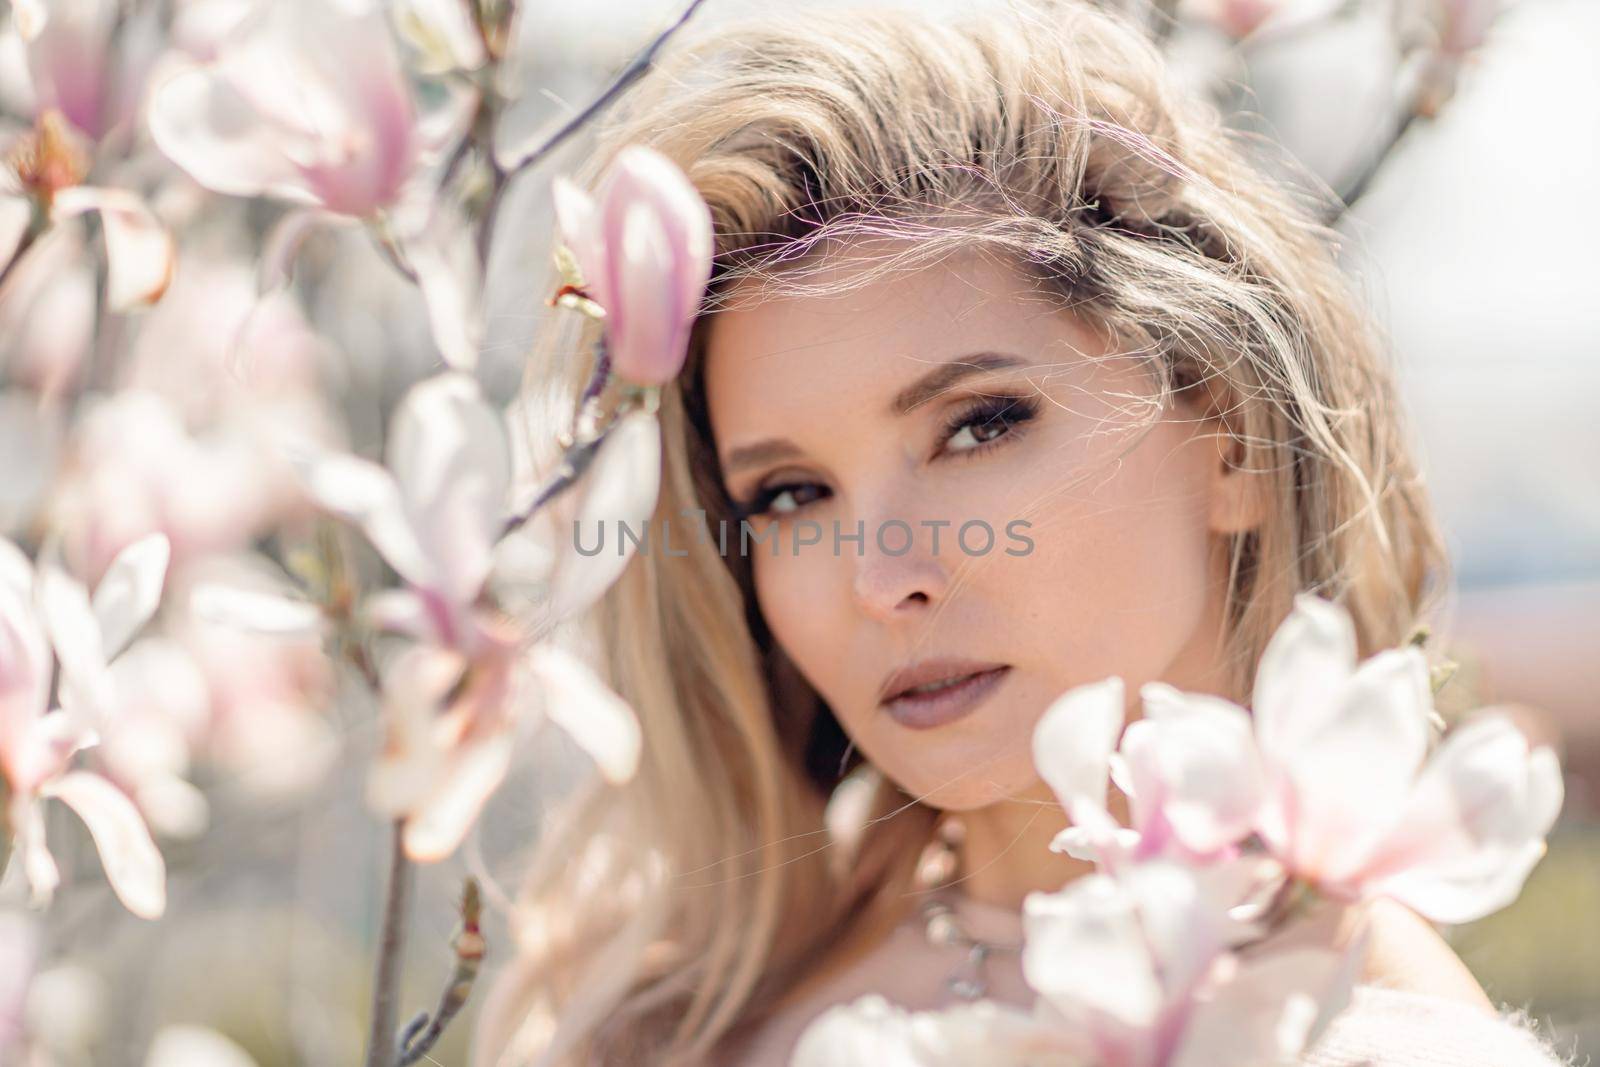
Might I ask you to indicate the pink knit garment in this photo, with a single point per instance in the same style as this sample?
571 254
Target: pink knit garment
1381 1027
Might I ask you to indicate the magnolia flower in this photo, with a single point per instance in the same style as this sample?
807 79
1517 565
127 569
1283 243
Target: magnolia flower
644 248
308 103
453 723
304 102
36 744
1331 772
1136 970
46 167
435 513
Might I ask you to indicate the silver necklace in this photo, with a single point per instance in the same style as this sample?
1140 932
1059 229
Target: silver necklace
941 922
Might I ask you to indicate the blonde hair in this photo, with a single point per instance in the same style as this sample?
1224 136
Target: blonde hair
660 916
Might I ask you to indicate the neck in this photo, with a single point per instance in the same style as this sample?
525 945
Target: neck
1006 854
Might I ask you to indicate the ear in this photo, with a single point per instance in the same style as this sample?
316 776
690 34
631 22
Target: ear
1238 492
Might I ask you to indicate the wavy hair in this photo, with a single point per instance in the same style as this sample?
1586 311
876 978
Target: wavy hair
664 916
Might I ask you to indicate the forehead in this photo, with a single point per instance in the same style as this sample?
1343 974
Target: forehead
774 359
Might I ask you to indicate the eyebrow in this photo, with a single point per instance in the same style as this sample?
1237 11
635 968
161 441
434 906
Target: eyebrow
930 385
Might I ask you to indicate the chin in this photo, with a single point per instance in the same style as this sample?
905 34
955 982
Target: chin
967 788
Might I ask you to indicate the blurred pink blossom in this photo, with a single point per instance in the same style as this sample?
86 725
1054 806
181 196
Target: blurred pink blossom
304 101
436 510
453 723
37 744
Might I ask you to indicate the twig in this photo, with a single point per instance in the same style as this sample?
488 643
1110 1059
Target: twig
391 951
629 75
424 1031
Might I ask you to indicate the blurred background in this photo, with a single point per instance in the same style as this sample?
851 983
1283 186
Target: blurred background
1465 134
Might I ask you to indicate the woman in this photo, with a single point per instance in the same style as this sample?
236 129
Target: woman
990 274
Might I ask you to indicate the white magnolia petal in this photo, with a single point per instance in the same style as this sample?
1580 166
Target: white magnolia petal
365 493
16 570
1202 752
1085 952
1302 669
452 462
872 1032
26 669
132 862
576 217
1352 775
195 1046
599 720
620 488
445 258
254 610
86 688
130 591
1475 825
140 253
211 130
436 829
1073 740
1268 1010
173 807
25 818
283 243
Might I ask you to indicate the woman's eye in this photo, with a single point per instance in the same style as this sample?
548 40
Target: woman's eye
985 423
780 499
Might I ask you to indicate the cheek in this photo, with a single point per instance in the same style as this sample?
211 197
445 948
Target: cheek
797 599
1118 580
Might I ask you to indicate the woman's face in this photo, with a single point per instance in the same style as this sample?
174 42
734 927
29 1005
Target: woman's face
862 412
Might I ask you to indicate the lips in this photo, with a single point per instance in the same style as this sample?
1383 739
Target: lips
935 692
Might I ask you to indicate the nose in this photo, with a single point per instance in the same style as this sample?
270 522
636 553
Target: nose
891 585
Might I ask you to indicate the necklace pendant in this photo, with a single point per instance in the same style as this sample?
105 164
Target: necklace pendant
968 983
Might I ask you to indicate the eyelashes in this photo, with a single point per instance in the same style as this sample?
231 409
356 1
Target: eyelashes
987 424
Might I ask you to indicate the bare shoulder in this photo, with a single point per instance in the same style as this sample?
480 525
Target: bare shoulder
1406 952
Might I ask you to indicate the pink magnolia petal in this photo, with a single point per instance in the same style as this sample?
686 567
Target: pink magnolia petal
132 862
130 591
1302 669
596 718
657 235
620 487
1474 827
644 175
436 829
1073 739
140 252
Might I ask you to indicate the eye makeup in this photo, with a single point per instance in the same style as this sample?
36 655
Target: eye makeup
981 425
